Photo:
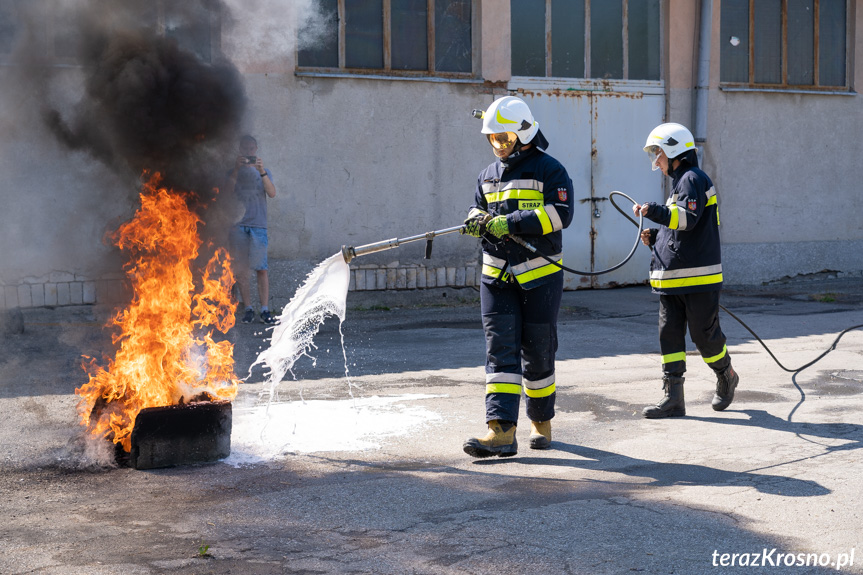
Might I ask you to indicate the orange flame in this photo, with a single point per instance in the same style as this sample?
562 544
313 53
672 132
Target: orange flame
166 353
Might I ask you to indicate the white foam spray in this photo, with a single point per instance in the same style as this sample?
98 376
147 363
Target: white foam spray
324 293
267 431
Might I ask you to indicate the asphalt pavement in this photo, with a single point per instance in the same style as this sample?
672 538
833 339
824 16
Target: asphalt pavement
354 463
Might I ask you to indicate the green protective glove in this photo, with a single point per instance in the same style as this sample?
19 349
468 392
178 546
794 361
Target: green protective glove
497 226
474 225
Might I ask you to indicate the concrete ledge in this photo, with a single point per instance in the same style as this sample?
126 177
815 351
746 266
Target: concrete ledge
766 262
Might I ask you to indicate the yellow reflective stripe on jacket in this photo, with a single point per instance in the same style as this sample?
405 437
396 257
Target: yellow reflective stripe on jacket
525 272
675 218
544 220
711 194
536 268
513 194
685 272
718 356
490 271
513 388
686 282
549 218
492 266
672 357
538 273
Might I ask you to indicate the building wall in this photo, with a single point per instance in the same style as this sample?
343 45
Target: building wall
784 167
357 161
360 160
781 162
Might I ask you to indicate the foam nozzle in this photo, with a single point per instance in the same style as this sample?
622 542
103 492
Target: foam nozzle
348 253
478 114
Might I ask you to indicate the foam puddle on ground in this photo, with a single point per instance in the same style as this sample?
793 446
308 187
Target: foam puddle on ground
266 432
266 429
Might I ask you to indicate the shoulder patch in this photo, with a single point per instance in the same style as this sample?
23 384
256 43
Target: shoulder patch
562 194
692 204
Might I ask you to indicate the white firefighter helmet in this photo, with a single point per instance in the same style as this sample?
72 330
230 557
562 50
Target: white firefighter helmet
673 139
510 114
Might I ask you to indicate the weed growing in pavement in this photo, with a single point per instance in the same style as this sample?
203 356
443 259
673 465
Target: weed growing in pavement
203 549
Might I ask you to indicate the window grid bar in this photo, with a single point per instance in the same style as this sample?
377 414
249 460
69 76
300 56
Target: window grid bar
587 70
625 33
430 37
548 54
342 34
387 34
751 41
783 41
816 51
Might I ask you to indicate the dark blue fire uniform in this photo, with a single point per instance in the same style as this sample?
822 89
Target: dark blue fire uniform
686 269
520 292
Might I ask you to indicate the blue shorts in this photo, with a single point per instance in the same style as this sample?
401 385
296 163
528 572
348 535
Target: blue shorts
249 247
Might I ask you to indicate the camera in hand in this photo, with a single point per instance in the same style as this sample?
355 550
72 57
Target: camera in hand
252 160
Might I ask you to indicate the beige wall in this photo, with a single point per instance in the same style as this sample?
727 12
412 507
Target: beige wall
362 160
681 59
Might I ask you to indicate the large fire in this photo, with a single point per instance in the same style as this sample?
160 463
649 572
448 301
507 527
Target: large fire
166 352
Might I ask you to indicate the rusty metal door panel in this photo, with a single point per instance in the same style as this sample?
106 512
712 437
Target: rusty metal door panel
621 124
565 121
598 137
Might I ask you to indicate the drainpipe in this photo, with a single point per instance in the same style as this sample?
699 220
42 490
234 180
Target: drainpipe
703 74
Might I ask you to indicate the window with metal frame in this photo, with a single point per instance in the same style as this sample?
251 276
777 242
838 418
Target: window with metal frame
608 39
391 37
784 44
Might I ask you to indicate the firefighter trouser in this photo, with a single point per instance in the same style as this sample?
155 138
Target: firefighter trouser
701 312
521 340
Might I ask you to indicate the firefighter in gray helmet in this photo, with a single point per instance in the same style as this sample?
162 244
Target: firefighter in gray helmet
528 193
685 270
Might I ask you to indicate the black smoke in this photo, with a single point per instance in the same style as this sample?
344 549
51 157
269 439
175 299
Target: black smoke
148 104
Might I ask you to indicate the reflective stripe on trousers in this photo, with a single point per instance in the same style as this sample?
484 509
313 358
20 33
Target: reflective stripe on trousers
700 311
521 341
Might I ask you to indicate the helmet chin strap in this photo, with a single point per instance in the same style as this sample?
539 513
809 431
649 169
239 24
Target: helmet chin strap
516 152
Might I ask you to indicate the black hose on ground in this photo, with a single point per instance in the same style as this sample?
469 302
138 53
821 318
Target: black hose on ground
640 225
741 322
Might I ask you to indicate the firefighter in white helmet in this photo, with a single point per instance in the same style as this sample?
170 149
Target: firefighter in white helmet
685 270
528 193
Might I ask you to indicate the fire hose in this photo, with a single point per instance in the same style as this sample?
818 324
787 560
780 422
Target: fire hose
741 322
350 252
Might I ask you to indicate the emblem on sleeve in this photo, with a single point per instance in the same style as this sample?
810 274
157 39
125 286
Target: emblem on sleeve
691 204
561 194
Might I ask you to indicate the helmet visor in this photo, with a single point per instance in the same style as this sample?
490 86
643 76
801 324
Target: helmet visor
502 140
654 153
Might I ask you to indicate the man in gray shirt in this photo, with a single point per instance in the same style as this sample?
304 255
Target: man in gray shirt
251 184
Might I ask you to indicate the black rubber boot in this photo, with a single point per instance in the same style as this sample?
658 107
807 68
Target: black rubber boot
726 383
672 405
